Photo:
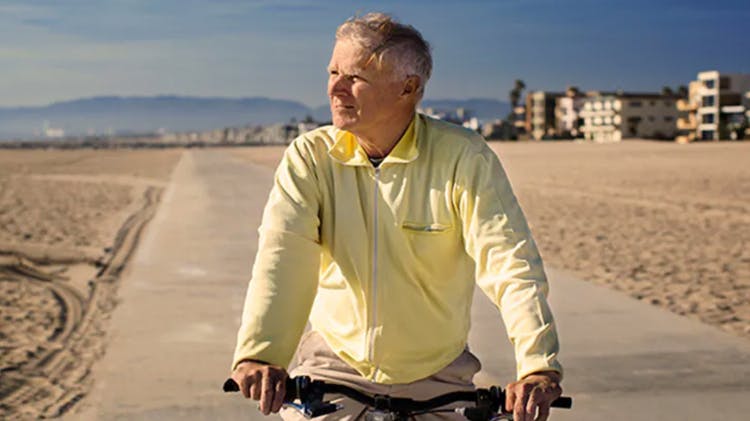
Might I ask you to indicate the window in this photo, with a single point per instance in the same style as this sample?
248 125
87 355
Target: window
635 104
710 84
668 119
708 101
707 135
708 119
651 118
724 83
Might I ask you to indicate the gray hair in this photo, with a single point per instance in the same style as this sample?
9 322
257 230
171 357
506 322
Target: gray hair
388 39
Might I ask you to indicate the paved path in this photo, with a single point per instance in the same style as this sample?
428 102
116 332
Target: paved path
173 332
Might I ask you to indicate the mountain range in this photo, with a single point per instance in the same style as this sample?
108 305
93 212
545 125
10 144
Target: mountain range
148 114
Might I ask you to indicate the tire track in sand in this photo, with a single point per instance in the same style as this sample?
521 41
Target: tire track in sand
51 381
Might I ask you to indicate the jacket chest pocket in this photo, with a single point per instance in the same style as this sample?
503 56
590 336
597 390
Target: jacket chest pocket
429 241
428 228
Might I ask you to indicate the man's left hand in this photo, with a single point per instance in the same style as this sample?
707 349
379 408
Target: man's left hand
532 396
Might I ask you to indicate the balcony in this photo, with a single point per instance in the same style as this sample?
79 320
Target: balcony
686 124
685 105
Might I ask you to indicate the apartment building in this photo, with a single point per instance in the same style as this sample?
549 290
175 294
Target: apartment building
612 118
540 113
721 96
568 120
687 110
520 128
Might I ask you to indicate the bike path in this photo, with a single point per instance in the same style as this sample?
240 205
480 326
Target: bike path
173 333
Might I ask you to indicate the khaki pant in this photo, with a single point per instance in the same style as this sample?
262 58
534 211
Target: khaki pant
316 359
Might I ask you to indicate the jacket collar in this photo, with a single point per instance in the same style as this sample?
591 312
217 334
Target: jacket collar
348 151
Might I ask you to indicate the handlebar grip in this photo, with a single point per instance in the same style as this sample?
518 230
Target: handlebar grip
231 386
563 402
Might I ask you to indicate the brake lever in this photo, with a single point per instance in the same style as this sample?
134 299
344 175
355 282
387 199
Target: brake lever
312 411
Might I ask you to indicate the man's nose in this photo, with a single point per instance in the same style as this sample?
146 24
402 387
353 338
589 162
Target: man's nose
337 84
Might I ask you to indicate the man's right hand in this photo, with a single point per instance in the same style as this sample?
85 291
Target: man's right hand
262 382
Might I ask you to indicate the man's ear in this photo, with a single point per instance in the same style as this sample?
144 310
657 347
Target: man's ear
411 85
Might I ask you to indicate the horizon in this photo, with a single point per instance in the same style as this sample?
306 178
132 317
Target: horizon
225 98
246 49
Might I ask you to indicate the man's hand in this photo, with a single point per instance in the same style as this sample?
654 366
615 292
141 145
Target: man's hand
532 396
262 382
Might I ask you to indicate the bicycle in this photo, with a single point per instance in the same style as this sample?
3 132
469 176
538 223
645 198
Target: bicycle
310 394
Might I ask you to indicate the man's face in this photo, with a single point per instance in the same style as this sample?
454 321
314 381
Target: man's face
363 95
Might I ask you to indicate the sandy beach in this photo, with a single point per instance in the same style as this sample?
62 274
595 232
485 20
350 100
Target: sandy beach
665 223
68 222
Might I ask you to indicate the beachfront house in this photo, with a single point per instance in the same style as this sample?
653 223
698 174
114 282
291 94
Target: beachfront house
721 104
687 109
612 118
540 114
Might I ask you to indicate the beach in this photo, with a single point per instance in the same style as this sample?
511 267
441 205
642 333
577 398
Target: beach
665 223
69 220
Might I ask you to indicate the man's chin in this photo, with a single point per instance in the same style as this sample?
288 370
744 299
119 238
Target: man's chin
343 123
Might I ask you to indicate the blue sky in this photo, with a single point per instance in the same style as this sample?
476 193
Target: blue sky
53 50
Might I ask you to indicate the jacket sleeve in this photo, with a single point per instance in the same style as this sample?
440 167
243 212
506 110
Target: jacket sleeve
285 274
508 266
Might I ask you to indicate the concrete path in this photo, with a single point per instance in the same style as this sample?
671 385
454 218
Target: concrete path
173 333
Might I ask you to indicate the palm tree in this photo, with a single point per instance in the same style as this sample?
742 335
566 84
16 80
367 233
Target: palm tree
682 91
515 93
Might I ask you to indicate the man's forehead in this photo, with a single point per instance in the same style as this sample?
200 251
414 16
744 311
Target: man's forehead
349 56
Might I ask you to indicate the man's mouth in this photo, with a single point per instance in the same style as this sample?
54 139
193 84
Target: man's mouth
343 106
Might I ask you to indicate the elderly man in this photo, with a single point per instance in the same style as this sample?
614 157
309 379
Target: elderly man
377 229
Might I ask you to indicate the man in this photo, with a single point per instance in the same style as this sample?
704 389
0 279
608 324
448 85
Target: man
377 229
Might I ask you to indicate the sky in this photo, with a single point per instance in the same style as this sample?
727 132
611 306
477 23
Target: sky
54 50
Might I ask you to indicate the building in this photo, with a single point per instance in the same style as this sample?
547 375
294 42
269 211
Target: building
687 109
568 120
52 132
720 96
611 118
540 114
519 128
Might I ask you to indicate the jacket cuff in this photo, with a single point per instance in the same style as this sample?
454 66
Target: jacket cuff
531 365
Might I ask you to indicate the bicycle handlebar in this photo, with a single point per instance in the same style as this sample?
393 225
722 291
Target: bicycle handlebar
311 394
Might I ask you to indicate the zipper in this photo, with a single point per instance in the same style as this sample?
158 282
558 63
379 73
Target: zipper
373 315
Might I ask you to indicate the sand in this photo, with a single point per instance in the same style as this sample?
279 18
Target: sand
665 223
68 222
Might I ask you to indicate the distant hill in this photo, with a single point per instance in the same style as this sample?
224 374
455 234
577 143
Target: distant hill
146 114
123 115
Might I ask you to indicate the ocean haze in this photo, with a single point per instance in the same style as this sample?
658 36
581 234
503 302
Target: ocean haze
148 114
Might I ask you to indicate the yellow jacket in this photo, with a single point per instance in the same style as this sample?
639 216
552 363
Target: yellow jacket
384 261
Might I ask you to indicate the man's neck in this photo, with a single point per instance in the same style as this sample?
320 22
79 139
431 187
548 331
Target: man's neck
381 144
